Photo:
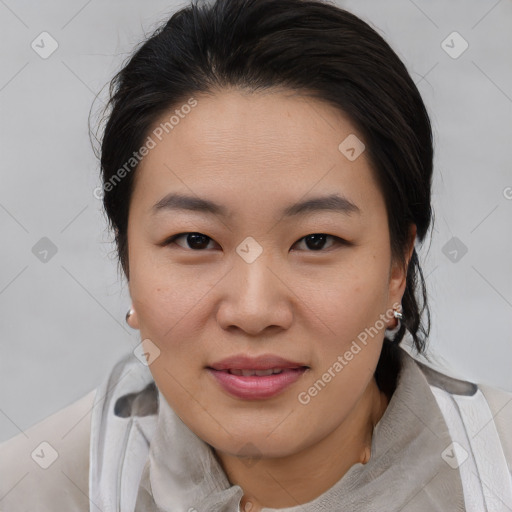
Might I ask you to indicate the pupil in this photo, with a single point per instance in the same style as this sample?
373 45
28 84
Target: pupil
317 239
197 241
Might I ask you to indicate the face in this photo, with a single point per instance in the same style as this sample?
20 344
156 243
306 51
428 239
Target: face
255 279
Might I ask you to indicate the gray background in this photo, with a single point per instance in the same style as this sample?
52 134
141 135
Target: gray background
62 321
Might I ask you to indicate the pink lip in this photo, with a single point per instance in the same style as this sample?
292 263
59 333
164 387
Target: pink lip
257 387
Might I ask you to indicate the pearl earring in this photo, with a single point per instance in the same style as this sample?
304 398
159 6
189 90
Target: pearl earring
129 314
393 330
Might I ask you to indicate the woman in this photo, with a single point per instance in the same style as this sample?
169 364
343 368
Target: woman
267 172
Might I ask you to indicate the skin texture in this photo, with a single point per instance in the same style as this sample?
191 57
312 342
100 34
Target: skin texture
256 153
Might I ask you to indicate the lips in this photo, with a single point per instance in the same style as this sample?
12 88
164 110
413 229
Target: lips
256 378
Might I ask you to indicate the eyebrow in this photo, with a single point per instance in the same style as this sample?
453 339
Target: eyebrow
333 202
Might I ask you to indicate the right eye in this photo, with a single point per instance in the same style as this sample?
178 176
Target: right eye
195 241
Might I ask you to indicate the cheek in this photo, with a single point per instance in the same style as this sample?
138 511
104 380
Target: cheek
162 292
355 295
165 312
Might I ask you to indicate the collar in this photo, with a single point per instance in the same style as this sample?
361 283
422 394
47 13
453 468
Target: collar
405 472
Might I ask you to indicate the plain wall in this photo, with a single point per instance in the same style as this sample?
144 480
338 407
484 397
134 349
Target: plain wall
62 321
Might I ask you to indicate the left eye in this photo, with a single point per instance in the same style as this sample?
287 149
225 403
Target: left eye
316 241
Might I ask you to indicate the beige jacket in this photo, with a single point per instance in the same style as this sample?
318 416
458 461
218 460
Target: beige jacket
47 467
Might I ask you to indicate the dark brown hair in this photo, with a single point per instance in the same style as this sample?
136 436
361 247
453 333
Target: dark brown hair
304 45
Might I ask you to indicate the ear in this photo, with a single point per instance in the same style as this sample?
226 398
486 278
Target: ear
398 274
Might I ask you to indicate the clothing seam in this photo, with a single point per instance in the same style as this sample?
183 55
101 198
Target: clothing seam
470 446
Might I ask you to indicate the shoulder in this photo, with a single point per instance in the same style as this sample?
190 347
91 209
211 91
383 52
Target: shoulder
498 400
500 403
48 464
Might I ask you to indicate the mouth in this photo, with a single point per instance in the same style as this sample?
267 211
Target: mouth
256 379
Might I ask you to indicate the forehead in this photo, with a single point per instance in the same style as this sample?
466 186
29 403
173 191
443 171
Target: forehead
257 144
283 124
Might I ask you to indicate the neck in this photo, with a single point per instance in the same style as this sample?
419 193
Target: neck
303 476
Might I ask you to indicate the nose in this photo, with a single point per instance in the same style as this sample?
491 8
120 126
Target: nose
255 298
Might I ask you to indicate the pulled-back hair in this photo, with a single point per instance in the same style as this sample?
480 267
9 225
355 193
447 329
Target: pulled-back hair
308 46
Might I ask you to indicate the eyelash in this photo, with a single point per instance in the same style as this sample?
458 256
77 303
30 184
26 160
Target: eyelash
171 240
